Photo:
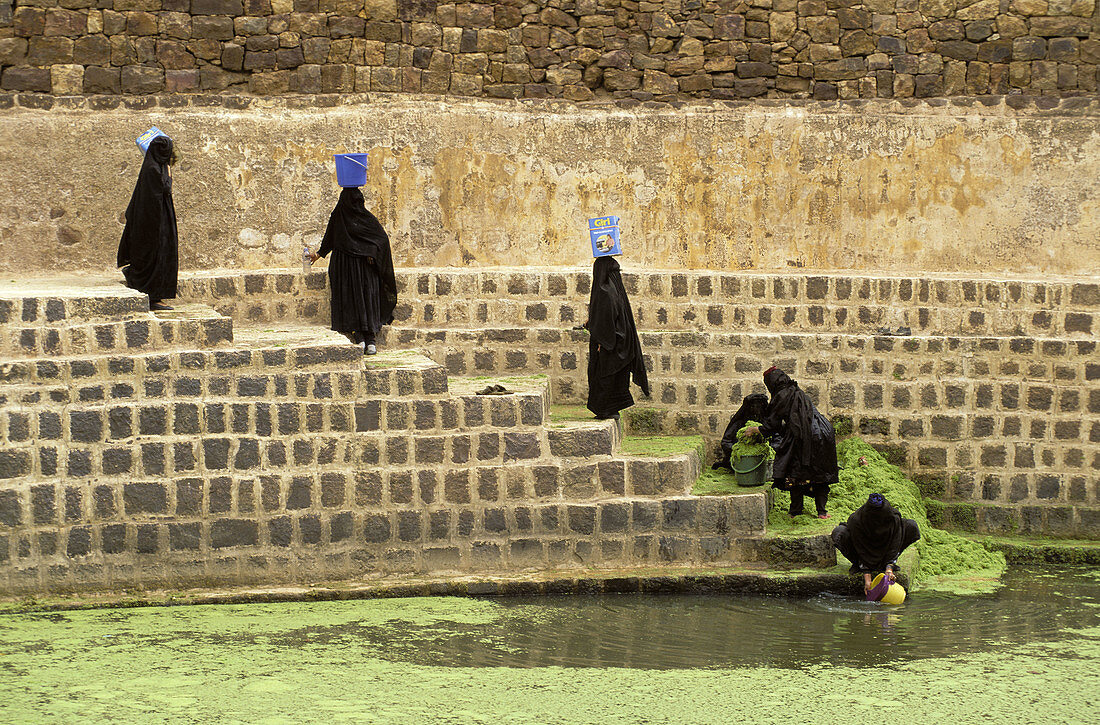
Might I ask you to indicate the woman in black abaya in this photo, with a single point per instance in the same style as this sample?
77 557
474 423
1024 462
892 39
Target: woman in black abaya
360 275
805 452
149 249
614 350
874 537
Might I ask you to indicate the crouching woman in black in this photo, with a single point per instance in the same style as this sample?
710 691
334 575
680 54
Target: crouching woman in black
360 275
804 442
874 537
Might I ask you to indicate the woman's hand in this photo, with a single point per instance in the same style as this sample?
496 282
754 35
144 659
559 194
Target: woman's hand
867 584
889 575
313 257
752 431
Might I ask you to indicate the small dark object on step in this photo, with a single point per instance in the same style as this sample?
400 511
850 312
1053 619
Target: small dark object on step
493 390
903 332
884 332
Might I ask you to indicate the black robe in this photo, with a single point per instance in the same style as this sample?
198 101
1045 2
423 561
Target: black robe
614 350
805 450
361 278
149 249
753 407
874 536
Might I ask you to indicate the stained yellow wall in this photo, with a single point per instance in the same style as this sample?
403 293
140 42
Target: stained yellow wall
466 182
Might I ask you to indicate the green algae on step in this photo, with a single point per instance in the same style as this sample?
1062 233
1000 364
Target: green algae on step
660 446
945 559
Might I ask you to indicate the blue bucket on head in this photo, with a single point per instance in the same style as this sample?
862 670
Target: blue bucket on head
351 170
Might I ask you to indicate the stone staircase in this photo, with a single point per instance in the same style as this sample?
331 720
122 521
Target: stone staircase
992 401
56 318
268 452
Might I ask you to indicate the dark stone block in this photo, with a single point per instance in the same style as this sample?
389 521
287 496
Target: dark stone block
86 427
184 537
1040 398
300 493
148 538
376 528
581 518
11 508
47 543
993 456
674 548
288 418
248 454
221 495
1079 322
368 416
947 427
233 532
679 514
309 529
79 541
409 526
614 518
428 449
79 463
521 446
113 538
216 453
546 481
494 521
15 463
150 498
341 527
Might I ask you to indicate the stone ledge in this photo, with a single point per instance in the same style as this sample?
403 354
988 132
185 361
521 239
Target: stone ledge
671 580
988 105
1055 519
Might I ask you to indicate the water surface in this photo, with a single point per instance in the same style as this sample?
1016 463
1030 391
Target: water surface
1031 647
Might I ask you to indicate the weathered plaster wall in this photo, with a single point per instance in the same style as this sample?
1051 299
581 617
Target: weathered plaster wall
1006 185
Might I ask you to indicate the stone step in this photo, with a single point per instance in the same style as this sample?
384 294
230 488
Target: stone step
191 325
260 518
97 447
674 286
56 302
702 301
1073 520
677 354
268 358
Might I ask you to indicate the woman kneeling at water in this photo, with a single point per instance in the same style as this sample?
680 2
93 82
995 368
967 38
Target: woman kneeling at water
874 537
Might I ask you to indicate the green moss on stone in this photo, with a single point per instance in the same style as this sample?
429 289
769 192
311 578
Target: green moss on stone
661 446
644 420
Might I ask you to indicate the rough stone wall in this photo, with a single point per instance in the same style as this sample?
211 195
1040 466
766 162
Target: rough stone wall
992 402
1002 185
575 50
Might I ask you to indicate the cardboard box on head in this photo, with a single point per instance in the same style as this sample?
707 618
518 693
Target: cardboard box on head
603 232
146 138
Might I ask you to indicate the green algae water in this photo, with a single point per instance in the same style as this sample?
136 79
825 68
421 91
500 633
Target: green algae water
1030 652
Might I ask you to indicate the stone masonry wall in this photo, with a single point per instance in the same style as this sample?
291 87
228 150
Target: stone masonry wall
1005 185
553 49
992 402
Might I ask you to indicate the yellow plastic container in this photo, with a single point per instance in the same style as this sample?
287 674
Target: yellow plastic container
894 595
